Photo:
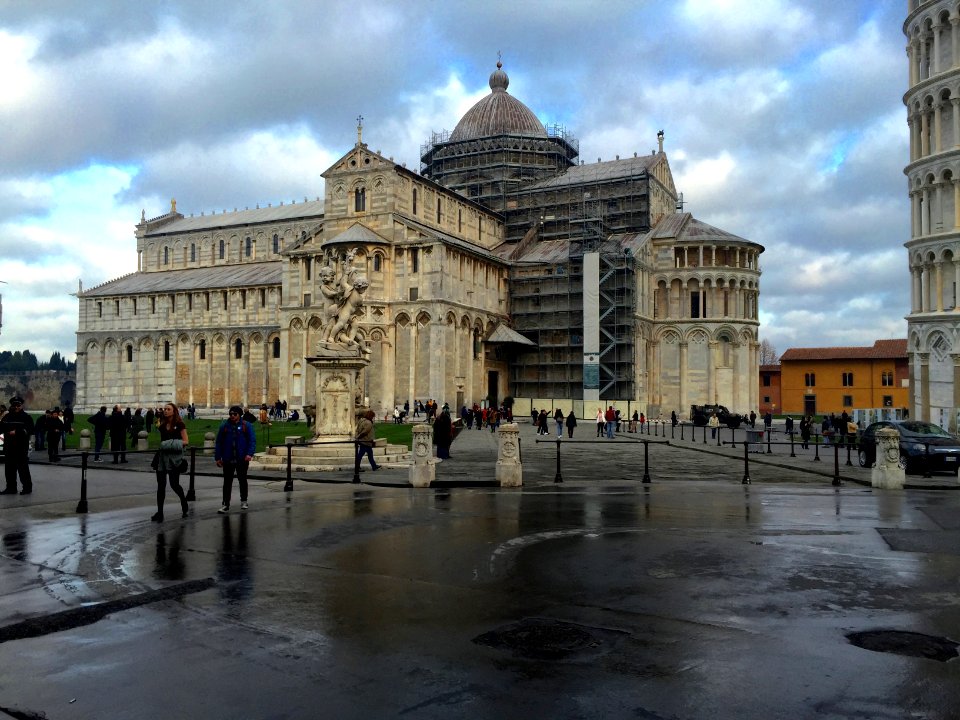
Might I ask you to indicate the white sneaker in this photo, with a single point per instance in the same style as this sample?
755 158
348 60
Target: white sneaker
223 509
244 506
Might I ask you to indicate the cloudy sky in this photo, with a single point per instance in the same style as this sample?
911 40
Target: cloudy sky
784 124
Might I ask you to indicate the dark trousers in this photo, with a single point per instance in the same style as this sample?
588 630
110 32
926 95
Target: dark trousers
229 468
53 446
17 462
98 439
38 443
368 451
174 477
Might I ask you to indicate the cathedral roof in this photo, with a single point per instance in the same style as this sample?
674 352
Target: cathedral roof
499 113
238 218
218 277
599 172
683 227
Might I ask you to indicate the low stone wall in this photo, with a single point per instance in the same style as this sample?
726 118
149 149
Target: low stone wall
40 389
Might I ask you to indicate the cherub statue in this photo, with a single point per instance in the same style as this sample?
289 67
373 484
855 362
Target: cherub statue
344 329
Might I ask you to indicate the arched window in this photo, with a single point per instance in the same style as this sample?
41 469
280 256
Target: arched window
203 349
129 353
193 252
276 347
438 210
238 349
166 256
360 199
222 249
166 349
414 201
376 262
247 246
276 243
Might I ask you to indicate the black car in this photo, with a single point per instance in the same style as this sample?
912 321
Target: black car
700 414
920 443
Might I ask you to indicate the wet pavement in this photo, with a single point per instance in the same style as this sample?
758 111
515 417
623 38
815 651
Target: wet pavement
692 596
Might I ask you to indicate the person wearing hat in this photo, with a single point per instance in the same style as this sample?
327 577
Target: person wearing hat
233 450
17 429
54 428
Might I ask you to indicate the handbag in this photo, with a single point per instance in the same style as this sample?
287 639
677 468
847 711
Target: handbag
183 466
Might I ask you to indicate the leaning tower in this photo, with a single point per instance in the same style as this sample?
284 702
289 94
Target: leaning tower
932 28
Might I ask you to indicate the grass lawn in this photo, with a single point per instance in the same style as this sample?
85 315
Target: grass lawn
271 434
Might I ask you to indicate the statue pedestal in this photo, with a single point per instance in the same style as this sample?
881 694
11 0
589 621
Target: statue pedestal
423 469
338 391
509 470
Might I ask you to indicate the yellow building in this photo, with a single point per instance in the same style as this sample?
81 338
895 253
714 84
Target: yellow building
816 381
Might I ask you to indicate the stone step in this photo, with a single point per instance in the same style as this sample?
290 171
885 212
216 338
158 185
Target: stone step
332 451
273 461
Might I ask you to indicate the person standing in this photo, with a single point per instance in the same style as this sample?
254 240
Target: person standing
753 419
68 419
54 426
40 441
148 420
788 426
100 423
118 435
571 423
767 422
365 439
805 432
673 418
17 429
610 418
558 417
169 459
136 425
542 421
443 434
714 423
601 422
233 450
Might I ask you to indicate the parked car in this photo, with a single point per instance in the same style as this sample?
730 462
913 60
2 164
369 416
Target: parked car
700 414
915 438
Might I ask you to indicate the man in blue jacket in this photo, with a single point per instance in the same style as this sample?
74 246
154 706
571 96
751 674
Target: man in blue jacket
236 443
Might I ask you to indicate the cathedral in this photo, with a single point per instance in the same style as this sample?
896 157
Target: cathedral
506 266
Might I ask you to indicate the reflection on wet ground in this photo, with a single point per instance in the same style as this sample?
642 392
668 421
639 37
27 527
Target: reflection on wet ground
681 600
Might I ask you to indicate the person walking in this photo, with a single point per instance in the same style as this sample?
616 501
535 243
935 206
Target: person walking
635 418
118 435
365 439
571 423
542 421
673 418
17 429
169 460
714 423
233 450
558 418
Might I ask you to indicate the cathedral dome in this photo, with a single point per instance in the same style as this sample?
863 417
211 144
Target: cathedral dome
499 113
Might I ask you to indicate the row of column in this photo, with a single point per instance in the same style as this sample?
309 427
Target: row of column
924 51
927 286
929 206
926 129
744 302
920 396
750 257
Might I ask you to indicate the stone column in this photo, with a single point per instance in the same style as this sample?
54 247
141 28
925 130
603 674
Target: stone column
954 58
412 382
683 375
924 289
924 133
509 471
938 286
936 48
735 351
924 387
887 473
937 219
915 214
423 469
388 353
712 390
937 128
925 214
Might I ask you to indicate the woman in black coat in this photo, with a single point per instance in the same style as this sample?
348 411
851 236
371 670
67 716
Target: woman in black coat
443 434
118 435
571 423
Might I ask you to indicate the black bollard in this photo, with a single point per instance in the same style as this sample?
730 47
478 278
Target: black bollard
558 478
288 485
849 445
746 463
82 505
836 464
681 431
792 453
816 447
704 434
191 493
769 433
719 433
733 438
672 428
646 463
356 463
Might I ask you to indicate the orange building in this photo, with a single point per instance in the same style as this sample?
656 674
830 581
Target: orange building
770 390
815 381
